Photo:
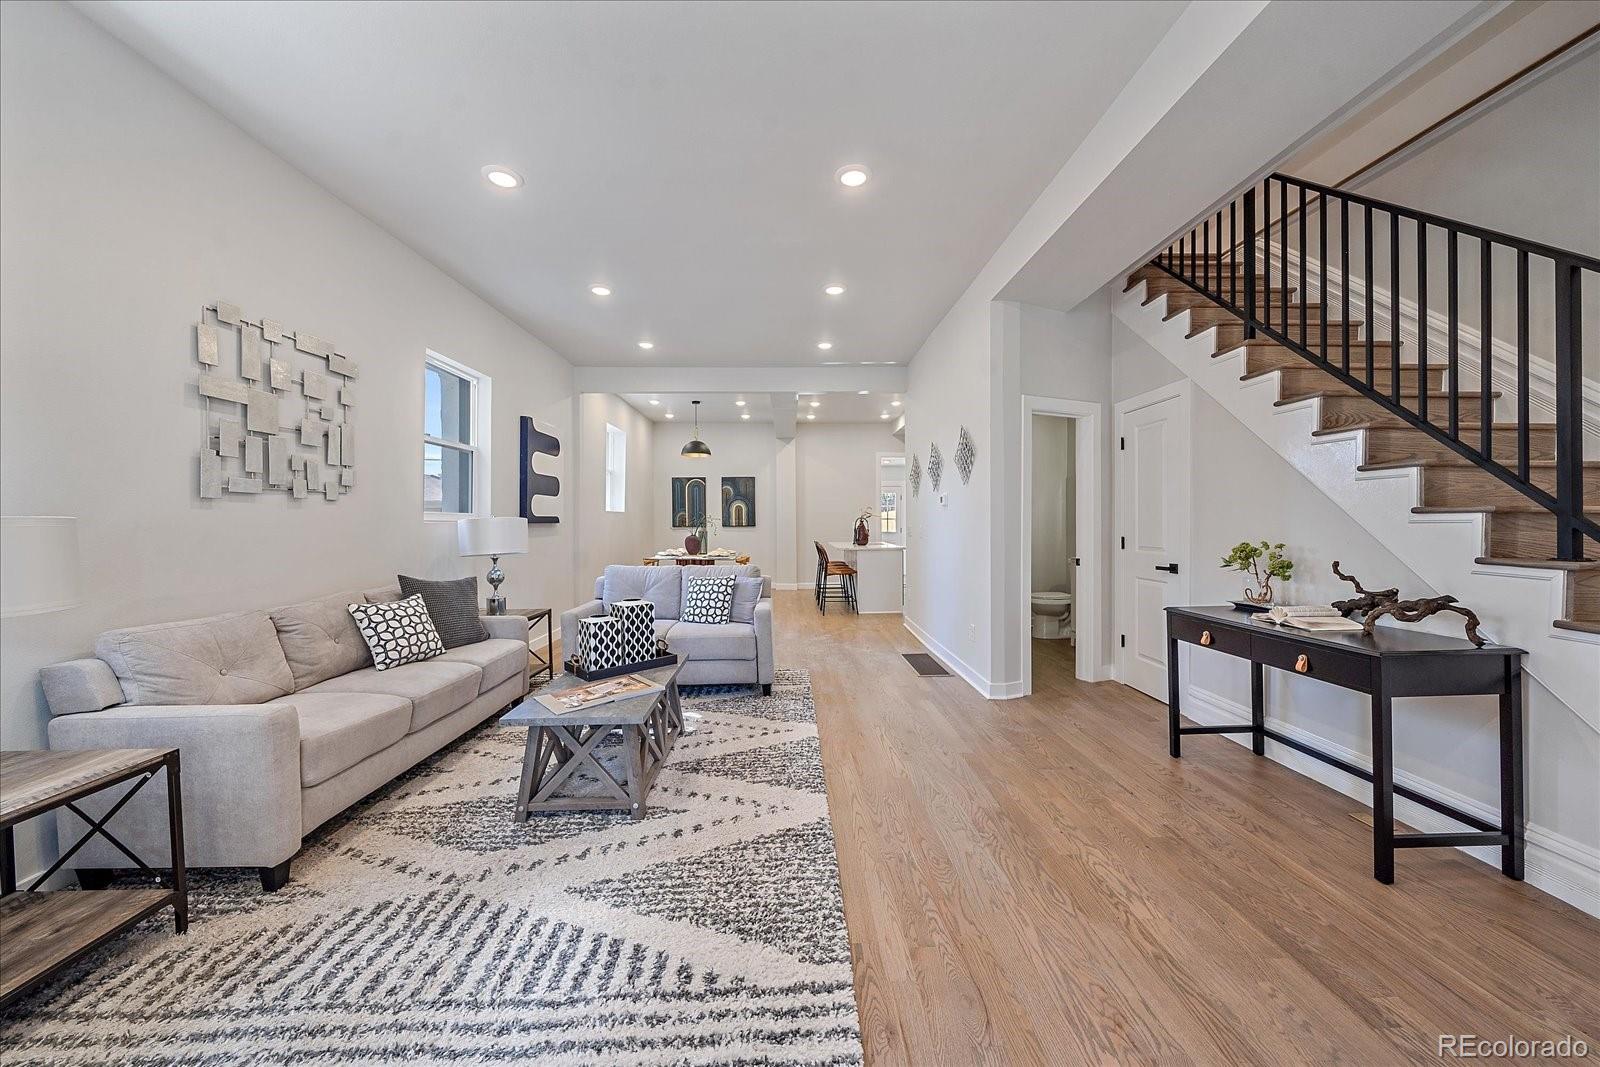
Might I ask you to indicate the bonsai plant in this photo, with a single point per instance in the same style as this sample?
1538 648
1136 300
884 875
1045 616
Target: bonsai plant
1263 562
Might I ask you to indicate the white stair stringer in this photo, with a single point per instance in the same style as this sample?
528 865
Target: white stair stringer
1516 605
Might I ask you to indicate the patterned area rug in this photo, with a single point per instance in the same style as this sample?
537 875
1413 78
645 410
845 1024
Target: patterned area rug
427 927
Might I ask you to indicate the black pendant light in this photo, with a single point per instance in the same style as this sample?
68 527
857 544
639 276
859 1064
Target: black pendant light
696 448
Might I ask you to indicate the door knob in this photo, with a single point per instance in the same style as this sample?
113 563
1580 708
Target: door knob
1171 568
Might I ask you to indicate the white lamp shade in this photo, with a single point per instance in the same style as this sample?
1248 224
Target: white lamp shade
492 537
38 564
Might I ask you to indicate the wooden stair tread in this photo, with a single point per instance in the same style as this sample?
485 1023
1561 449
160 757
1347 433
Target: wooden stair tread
1530 508
1544 564
1460 463
1405 394
1494 427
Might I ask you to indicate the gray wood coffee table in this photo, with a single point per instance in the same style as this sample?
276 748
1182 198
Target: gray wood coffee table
618 777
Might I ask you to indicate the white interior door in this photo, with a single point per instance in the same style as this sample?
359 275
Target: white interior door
1153 472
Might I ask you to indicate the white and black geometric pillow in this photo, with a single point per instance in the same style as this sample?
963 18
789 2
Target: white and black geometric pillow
397 632
708 600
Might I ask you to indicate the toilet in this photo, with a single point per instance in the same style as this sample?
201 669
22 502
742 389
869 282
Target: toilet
1052 611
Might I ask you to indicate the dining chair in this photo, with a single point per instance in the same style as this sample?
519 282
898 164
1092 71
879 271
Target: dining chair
829 568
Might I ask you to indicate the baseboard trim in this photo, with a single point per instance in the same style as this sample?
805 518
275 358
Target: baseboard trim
987 689
1555 864
792 586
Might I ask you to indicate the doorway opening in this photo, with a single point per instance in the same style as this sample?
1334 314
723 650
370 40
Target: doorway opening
1062 559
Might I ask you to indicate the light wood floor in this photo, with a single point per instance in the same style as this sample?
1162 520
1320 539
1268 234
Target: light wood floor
1035 881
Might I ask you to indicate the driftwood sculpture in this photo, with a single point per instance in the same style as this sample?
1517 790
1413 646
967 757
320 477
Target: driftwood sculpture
1374 604
1369 599
1417 610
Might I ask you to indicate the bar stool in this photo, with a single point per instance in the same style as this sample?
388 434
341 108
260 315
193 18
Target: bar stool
827 568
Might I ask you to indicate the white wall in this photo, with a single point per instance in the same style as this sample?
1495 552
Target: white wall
1242 490
603 536
836 478
737 450
125 204
1054 502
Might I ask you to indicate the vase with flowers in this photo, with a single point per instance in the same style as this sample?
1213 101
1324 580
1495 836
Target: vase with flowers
863 533
1263 562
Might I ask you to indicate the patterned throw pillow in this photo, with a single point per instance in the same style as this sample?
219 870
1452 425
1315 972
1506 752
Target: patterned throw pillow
708 599
397 632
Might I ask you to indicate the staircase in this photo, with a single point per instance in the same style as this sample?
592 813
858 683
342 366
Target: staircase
1437 457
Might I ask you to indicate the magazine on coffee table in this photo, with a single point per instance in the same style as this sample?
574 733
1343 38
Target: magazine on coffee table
594 694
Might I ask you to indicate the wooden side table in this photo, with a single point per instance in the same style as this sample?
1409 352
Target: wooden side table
40 932
546 664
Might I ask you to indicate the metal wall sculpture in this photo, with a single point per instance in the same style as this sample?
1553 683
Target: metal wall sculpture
269 436
536 442
738 501
935 467
916 475
966 455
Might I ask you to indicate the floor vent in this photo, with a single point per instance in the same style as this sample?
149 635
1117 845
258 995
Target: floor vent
925 664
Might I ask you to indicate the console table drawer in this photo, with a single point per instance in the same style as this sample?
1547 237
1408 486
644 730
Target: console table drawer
1220 638
1345 669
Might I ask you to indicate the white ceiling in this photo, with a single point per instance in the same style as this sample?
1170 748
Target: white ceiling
683 154
723 407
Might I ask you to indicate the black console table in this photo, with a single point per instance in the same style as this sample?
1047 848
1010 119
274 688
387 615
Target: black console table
1391 663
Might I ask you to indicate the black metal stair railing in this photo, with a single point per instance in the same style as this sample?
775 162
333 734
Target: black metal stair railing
1240 257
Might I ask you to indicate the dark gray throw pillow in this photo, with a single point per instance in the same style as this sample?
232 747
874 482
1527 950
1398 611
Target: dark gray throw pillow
452 605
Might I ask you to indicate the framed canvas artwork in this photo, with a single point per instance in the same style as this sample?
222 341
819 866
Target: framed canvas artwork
688 503
738 502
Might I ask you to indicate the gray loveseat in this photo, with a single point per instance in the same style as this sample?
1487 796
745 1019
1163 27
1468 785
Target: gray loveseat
280 719
732 653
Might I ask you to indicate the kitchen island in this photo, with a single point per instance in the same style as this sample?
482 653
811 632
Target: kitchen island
880 574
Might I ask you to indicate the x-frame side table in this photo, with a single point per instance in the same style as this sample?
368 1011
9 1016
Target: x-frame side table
40 932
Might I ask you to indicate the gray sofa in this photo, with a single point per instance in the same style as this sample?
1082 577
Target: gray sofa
280 719
733 653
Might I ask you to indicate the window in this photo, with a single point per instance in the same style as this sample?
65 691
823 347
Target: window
889 511
455 436
616 469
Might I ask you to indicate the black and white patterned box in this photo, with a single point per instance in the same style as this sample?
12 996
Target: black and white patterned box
600 643
637 618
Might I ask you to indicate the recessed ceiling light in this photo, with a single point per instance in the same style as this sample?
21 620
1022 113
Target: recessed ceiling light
816 403
861 392
894 403
833 363
655 403
824 345
883 415
744 414
600 290
811 414
669 414
502 177
647 345
834 290
738 403
853 175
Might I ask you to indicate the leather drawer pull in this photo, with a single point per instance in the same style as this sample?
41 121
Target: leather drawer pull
1302 664
1205 637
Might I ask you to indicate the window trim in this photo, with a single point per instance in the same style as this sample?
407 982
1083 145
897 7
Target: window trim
617 448
482 387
